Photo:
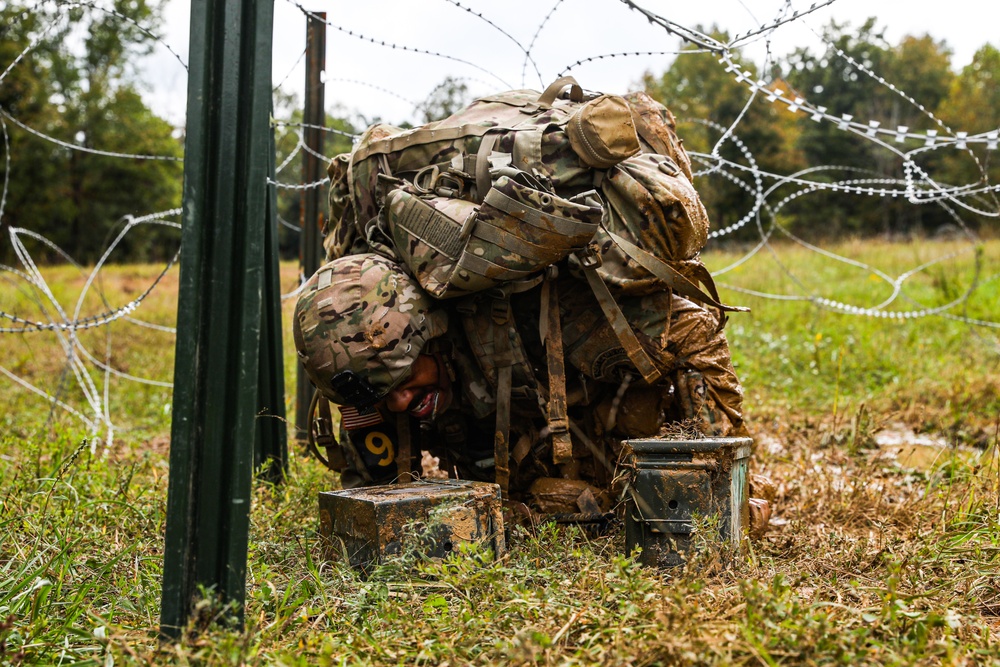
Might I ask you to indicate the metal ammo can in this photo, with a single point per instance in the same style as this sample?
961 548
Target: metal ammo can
675 481
368 524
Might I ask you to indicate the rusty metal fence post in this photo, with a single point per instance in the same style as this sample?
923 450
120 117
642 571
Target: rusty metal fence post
313 170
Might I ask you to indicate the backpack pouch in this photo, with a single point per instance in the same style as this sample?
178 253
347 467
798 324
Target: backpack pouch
455 247
521 230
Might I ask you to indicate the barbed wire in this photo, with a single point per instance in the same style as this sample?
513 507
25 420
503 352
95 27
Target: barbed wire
291 69
85 149
298 186
88 371
534 38
527 53
627 54
401 47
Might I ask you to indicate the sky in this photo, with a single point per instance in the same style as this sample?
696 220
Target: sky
375 81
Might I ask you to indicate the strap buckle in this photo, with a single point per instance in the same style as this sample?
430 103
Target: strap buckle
426 178
589 257
324 431
449 184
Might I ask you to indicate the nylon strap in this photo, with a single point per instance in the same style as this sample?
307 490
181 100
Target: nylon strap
504 239
427 135
404 457
622 329
486 268
334 455
483 180
562 444
321 424
670 276
552 92
504 360
702 275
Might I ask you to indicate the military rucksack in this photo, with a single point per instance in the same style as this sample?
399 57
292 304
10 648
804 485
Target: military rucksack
485 201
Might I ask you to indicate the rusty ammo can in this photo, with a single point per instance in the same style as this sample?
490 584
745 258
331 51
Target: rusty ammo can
432 518
676 481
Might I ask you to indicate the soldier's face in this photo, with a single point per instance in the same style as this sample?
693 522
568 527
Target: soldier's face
427 392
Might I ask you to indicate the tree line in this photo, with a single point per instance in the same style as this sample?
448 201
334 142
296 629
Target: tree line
697 88
78 83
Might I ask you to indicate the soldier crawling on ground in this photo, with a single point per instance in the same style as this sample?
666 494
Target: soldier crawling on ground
467 311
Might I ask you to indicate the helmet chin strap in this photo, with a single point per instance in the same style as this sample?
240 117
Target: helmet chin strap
441 350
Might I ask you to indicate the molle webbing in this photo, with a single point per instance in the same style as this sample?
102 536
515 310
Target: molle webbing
484 267
534 217
508 241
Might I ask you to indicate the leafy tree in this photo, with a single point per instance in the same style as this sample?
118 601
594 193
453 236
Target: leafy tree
78 85
839 79
447 97
973 106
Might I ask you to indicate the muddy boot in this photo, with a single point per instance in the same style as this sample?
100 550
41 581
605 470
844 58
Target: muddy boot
762 497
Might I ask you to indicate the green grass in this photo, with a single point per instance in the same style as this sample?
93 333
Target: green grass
797 358
870 563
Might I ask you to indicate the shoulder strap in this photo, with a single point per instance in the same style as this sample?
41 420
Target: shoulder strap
505 369
621 327
319 434
551 335
674 279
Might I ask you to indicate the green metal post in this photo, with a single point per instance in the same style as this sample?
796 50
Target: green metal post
271 434
219 311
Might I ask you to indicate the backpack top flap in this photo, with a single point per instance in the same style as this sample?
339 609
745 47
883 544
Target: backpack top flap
652 201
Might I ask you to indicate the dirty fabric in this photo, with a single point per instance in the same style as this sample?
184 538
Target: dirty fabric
441 200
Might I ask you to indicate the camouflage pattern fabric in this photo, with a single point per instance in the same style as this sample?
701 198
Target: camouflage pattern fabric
532 136
657 130
652 204
648 199
454 247
363 315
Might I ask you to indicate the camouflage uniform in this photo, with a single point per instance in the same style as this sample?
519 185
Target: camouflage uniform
390 317
648 202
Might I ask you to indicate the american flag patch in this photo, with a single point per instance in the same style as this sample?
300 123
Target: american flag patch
352 420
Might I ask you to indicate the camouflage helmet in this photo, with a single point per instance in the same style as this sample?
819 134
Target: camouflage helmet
359 325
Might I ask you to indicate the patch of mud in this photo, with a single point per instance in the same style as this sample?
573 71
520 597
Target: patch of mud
919 451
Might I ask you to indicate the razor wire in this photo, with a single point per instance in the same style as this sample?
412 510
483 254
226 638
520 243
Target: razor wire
90 373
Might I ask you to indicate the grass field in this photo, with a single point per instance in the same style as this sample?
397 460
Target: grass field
882 551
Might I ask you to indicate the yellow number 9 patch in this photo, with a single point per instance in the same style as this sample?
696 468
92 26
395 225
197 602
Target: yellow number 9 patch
379 443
